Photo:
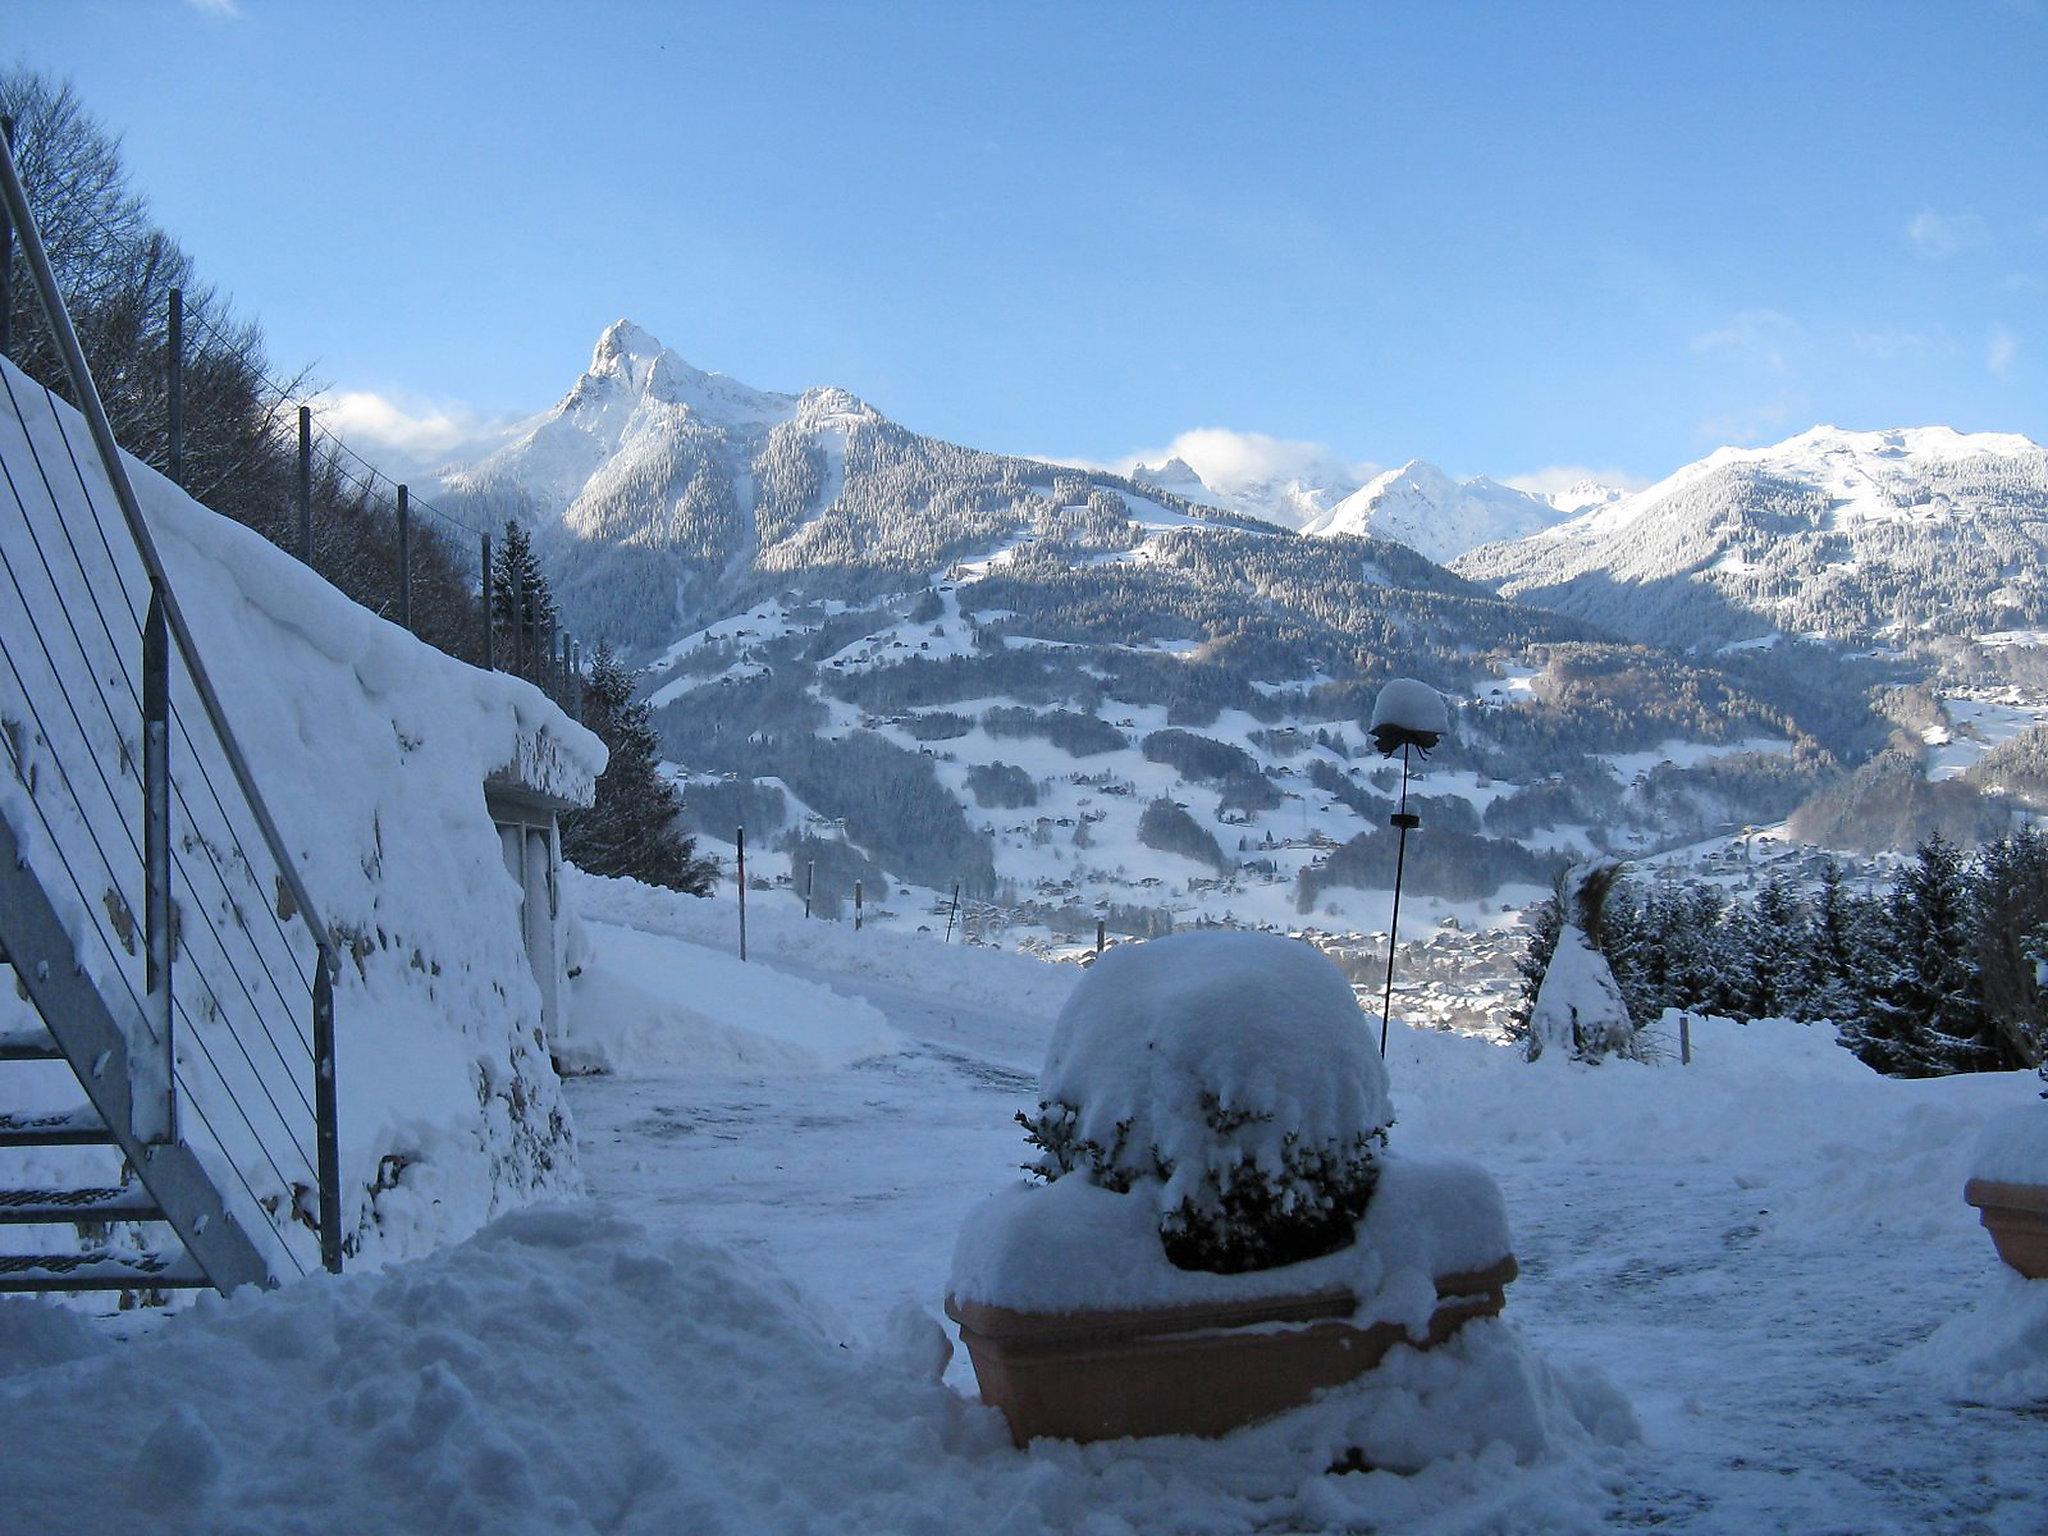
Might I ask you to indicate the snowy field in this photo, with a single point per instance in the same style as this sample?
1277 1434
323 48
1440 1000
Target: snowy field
738 1331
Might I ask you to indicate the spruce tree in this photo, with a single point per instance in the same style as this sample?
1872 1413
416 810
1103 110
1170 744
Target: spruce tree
1929 1017
520 599
1695 960
1546 921
1770 982
2011 909
1834 981
634 828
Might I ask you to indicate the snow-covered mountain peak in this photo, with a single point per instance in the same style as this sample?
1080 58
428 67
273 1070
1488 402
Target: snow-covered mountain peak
625 348
631 361
1831 531
830 404
1873 474
1583 495
1177 475
1215 470
1421 506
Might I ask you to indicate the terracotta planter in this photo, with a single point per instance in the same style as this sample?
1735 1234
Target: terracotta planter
1189 1370
2017 1217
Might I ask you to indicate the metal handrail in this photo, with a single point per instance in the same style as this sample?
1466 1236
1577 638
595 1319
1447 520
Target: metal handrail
93 409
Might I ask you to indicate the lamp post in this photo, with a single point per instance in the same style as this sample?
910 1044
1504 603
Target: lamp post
1408 717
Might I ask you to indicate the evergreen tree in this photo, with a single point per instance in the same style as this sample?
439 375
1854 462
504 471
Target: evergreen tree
1546 922
1929 1017
1770 982
2011 890
1834 981
1695 962
521 598
1642 964
634 828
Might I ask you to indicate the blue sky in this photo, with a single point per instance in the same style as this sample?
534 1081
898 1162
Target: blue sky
1508 239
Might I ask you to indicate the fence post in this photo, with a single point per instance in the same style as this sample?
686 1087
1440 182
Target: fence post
6 254
306 484
740 837
1101 935
154 1116
810 885
174 387
490 622
326 1133
1685 1039
404 558
856 906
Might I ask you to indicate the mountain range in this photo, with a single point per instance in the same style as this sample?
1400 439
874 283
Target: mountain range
935 663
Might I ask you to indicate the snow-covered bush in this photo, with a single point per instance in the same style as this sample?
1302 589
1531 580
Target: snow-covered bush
1230 1078
1579 1009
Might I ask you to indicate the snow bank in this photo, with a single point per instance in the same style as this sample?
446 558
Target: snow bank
1071 1246
1997 1352
778 932
561 1372
2013 1149
648 1003
372 750
1267 1027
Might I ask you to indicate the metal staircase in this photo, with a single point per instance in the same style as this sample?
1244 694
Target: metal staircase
164 974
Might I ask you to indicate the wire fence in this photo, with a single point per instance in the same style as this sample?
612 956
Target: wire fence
75 613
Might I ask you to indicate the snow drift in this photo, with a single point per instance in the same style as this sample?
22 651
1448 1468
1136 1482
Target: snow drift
372 750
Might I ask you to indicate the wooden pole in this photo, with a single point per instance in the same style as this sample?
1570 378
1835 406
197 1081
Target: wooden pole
1685 1039
490 622
856 906
6 254
740 838
174 387
518 625
953 911
305 487
810 885
1101 935
404 558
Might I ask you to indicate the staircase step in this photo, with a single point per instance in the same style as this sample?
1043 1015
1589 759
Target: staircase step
28 1045
81 1127
39 1207
98 1270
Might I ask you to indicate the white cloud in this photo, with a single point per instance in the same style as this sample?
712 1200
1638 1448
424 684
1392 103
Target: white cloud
417 433
2001 351
1231 461
1552 478
1947 234
1762 335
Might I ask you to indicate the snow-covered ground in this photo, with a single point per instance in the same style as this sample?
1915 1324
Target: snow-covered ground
739 1332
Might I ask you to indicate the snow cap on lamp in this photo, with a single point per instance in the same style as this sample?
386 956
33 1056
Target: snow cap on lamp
1408 714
